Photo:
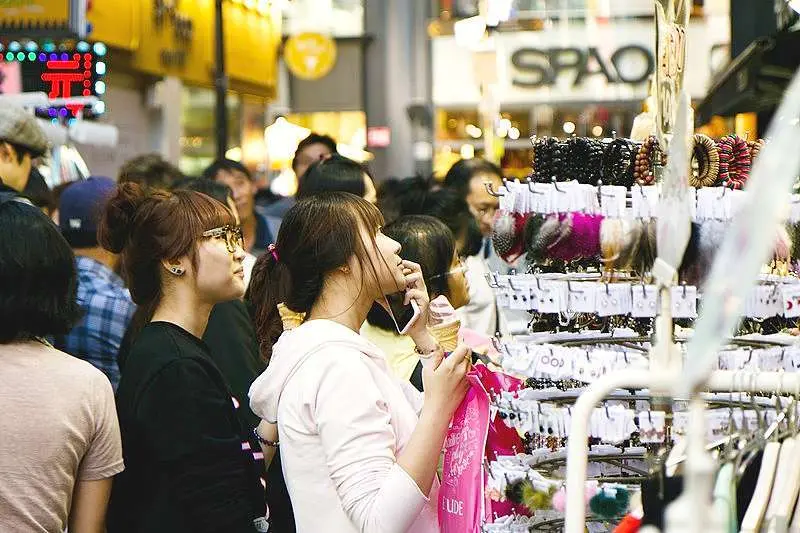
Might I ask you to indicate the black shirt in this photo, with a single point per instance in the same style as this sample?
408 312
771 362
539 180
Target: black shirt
234 348
185 467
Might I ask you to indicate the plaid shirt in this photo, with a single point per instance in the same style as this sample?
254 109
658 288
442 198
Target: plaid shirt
108 310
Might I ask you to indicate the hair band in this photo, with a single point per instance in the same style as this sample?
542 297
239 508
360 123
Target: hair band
274 251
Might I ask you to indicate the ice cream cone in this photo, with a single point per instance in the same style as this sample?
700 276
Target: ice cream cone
290 318
446 335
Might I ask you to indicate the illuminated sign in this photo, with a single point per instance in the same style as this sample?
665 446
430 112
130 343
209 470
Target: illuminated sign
62 72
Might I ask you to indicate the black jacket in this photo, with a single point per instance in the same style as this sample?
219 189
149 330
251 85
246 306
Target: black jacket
185 467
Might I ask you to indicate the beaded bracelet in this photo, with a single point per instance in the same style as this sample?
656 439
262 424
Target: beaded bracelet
734 162
707 156
618 162
755 148
645 159
265 442
740 164
725 149
548 158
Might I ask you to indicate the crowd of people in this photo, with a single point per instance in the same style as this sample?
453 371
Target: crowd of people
192 354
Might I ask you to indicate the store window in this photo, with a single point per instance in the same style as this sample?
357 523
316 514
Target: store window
198 145
459 133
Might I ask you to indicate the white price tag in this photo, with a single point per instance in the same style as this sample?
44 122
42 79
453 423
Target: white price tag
645 301
684 302
581 297
549 297
791 300
612 201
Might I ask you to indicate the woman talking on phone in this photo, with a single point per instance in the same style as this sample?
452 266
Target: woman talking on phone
359 449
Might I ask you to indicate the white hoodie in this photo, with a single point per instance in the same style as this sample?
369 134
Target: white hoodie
343 419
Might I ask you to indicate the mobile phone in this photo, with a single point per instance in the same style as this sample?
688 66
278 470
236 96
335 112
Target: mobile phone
402 315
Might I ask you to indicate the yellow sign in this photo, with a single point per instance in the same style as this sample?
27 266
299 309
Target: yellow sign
35 14
310 56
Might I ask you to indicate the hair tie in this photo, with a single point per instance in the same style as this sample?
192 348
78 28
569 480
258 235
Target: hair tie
274 251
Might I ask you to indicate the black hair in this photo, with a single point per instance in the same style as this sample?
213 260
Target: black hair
427 241
228 165
312 139
337 173
319 234
420 196
37 273
452 209
461 173
215 189
37 191
150 170
21 150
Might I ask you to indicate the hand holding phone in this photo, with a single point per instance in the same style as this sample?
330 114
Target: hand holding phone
409 309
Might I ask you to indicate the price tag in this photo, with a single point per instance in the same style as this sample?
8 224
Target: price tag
581 297
770 301
613 299
549 297
503 298
791 300
684 302
612 201
645 301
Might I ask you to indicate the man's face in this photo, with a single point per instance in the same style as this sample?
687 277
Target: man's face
310 155
13 172
482 204
244 191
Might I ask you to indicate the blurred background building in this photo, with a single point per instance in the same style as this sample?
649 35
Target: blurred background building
408 85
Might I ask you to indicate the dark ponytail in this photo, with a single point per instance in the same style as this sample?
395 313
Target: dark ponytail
318 235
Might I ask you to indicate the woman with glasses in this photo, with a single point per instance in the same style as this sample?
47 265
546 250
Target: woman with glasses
189 465
427 241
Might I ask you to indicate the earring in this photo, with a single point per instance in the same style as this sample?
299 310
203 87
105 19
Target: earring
177 271
345 269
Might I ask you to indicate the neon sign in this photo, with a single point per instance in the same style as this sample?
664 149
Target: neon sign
62 72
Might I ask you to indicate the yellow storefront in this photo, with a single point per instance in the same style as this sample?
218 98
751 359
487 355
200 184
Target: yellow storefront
163 51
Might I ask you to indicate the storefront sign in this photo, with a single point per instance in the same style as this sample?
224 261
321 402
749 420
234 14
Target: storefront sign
379 137
570 63
54 19
537 68
176 38
167 15
62 72
310 56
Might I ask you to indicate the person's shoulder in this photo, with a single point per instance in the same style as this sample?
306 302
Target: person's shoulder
56 362
162 340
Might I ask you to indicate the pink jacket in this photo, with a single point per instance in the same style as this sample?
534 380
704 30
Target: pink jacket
342 421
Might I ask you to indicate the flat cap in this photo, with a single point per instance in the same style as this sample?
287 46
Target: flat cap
19 127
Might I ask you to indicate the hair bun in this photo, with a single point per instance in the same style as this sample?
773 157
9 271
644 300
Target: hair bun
117 220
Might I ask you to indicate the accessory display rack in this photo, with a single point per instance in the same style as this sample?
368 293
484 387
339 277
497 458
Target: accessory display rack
656 363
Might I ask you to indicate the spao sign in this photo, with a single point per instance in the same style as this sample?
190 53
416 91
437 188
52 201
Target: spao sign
631 64
570 63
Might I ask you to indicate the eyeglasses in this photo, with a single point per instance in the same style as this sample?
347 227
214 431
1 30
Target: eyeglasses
460 269
233 236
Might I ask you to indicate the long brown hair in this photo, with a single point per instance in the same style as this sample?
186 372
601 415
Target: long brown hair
319 234
147 227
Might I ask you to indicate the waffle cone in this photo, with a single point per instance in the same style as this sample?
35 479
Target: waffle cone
290 318
446 335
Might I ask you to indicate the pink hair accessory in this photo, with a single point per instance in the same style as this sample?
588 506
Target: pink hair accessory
274 251
582 241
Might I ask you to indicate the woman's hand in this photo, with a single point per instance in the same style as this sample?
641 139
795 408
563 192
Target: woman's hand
418 292
445 380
